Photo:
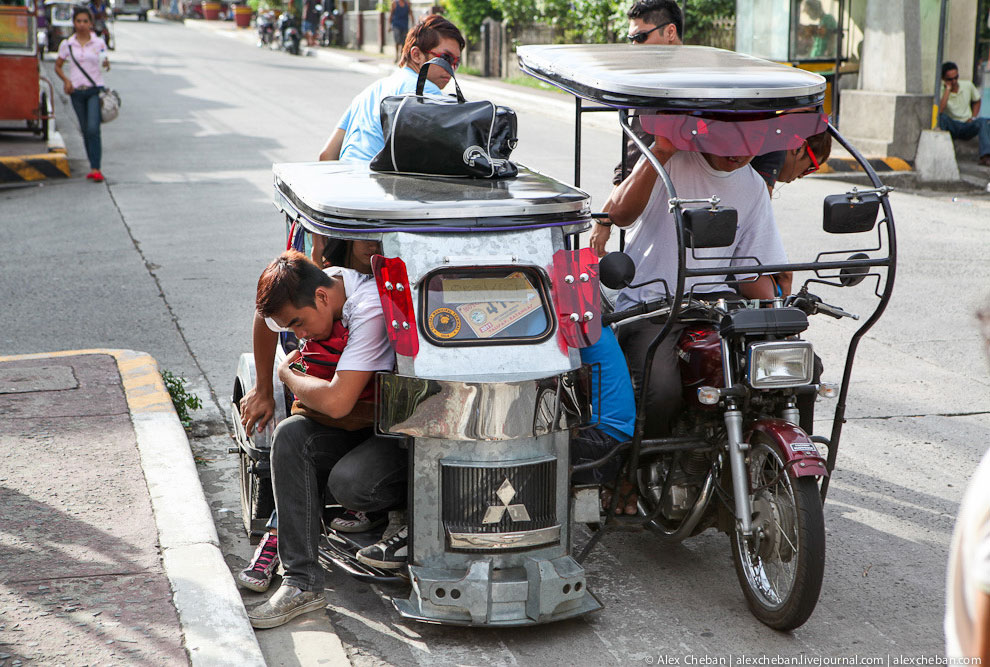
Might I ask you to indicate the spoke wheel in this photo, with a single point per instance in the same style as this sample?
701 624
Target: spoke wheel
257 499
781 567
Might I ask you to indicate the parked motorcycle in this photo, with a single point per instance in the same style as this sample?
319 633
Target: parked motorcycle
288 37
265 24
327 34
737 458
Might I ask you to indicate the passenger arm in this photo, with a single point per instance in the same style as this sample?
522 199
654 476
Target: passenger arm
335 398
331 150
65 80
761 288
258 404
629 198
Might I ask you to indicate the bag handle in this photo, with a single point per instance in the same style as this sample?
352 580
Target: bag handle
444 65
86 74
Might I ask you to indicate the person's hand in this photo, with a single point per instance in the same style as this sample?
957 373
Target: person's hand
256 410
600 235
284 372
68 88
784 280
106 65
662 148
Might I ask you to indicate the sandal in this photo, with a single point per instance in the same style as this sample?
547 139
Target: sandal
628 499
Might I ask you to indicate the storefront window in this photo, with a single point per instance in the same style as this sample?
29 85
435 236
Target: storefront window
815 25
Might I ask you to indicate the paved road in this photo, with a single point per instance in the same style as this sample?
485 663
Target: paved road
163 258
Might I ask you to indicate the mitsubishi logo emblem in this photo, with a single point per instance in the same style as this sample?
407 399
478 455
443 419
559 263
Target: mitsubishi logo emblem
505 495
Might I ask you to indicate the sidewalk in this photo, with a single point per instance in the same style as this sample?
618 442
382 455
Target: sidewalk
108 553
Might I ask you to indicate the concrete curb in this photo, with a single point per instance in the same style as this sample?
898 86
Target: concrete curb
879 164
33 167
215 626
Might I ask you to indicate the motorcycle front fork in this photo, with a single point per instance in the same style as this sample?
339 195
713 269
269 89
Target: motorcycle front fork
740 475
737 451
737 460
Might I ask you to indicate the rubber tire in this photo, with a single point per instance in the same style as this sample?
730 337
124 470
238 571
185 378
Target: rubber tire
257 497
811 560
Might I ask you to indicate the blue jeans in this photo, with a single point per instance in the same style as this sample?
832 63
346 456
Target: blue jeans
362 471
977 127
86 103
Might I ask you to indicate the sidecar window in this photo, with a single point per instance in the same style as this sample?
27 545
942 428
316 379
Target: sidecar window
487 306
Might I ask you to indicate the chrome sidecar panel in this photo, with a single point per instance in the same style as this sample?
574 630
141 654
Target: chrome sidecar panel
490 536
424 253
346 194
470 411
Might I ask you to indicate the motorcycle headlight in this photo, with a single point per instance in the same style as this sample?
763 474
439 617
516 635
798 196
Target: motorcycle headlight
777 364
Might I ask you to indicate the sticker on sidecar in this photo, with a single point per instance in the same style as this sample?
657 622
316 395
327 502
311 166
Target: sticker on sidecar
444 323
487 319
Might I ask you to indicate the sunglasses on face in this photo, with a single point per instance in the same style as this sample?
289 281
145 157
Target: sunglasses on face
814 162
641 37
451 59
952 78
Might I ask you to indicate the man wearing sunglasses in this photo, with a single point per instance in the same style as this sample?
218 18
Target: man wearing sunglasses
959 110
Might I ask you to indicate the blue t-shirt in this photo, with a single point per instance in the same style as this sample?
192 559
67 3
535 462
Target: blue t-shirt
618 403
362 122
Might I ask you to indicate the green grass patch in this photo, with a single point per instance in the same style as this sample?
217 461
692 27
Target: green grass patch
531 82
182 400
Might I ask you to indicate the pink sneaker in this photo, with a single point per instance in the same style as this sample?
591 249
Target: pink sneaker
257 576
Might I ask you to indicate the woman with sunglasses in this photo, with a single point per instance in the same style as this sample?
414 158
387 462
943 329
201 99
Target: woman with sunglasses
358 136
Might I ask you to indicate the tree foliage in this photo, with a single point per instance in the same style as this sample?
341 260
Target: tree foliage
468 15
700 16
588 21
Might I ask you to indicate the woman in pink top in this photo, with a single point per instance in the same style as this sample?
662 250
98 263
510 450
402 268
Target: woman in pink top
84 51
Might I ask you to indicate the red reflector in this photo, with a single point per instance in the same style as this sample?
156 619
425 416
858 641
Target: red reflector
577 296
397 305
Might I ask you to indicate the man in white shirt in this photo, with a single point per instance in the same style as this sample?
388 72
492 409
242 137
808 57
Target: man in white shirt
967 603
366 472
652 246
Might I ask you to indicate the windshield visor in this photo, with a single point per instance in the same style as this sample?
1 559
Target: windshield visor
737 137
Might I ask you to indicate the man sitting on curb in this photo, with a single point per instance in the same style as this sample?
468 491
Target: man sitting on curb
366 472
959 110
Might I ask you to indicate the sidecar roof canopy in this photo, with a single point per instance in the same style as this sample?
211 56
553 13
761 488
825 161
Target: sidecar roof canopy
344 196
674 78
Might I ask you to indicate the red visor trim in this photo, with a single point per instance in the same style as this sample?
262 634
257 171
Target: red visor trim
577 296
735 138
397 304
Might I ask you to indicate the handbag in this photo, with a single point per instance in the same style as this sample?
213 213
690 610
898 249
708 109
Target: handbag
109 99
441 136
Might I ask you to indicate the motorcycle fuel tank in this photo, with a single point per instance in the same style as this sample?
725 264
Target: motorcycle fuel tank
699 355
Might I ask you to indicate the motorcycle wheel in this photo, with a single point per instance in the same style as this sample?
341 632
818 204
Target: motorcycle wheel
781 568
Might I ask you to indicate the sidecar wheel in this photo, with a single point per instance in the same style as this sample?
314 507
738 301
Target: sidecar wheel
781 568
257 498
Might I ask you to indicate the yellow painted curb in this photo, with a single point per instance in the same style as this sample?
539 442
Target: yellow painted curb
143 387
34 167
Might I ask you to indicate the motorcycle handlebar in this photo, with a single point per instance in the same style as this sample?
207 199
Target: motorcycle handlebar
809 303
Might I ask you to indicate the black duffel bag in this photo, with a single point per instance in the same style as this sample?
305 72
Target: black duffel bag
426 134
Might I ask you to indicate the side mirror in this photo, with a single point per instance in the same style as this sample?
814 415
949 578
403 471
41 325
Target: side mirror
854 275
851 213
616 270
707 228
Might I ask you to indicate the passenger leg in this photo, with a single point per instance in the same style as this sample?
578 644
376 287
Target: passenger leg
663 397
302 452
